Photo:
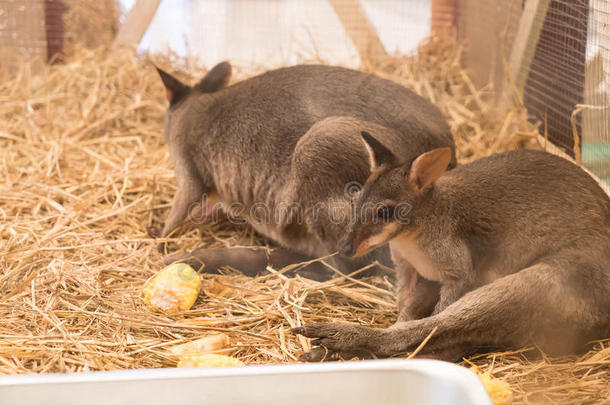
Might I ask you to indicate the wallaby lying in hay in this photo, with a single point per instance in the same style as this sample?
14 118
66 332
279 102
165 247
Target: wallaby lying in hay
245 146
507 251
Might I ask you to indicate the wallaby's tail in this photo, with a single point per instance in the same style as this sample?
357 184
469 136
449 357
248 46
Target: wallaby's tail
252 261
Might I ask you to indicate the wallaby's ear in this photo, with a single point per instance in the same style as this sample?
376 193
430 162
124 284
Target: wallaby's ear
428 167
378 154
215 79
174 88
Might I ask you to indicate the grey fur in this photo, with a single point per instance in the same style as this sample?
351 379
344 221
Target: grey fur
520 245
279 138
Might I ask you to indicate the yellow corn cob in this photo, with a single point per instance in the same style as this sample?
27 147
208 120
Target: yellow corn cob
209 360
499 391
204 345
173 289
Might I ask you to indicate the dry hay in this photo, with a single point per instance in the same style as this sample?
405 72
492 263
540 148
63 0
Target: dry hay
85 168
89 23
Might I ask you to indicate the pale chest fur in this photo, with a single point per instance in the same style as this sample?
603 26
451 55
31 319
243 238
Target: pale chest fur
405 248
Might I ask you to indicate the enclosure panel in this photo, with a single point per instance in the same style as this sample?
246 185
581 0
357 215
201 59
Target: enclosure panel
557 74
272 33
22 30
596 115
569 68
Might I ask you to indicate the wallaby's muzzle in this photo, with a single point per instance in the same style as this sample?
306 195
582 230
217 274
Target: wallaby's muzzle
354 243
346 245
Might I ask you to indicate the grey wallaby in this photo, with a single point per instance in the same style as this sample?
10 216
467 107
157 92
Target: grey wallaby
272 150
507 251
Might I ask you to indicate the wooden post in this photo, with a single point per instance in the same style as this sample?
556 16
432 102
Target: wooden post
526 40
442 21
136 23
359 29
486 28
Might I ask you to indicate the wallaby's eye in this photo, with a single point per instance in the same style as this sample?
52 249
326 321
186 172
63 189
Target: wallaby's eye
386 212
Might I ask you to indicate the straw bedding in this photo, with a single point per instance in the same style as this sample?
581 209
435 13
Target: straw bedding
85 169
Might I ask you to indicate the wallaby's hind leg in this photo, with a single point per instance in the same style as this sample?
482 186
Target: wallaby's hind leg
252 261
557 308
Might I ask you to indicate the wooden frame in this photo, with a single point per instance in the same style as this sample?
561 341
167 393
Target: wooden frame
359 29
136 23
525 43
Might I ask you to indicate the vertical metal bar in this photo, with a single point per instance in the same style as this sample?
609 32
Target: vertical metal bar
136 23
54 30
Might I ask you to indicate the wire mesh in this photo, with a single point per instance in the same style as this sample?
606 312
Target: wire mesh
568 78
566 90
596 117
54 28
22 31
556 78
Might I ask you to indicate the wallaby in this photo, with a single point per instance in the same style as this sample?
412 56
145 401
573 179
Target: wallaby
507 251
270 150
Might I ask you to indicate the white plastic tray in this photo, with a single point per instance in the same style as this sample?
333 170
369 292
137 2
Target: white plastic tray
384 382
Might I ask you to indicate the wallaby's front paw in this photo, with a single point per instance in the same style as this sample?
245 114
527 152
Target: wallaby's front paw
338 337
319 354
163 248
153 231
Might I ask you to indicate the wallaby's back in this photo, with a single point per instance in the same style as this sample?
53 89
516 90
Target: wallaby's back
254 125
525 205
236 144
242 138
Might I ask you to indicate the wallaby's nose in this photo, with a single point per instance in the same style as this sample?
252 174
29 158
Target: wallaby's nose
345 246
